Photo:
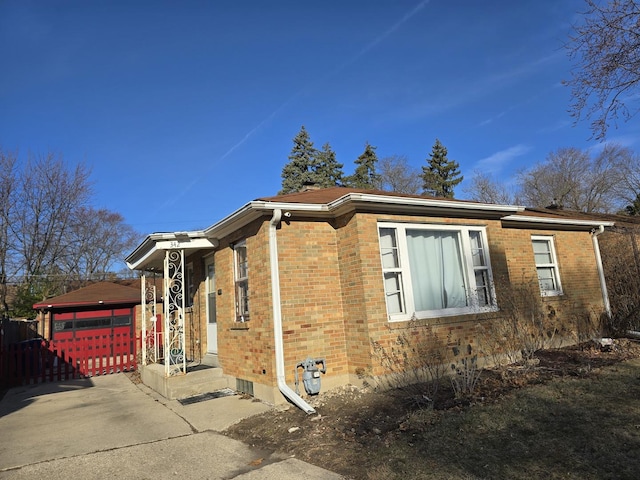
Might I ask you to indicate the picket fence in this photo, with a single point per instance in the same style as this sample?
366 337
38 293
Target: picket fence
37 360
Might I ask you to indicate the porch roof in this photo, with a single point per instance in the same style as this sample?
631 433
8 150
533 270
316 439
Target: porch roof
149 255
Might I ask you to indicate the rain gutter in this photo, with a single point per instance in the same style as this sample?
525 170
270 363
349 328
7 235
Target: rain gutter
277 317
603 284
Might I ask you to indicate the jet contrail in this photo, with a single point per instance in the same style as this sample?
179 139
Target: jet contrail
395 27
306 88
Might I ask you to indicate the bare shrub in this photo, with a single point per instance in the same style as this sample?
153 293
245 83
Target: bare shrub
465 371
524 325
587 324
621 264
415 362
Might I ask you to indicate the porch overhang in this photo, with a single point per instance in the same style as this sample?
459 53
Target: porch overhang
150 254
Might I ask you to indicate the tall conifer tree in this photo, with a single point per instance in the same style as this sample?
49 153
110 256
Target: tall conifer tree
440 175
328 172
365 175
299 171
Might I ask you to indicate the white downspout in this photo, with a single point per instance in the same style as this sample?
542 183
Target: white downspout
277 316
603 283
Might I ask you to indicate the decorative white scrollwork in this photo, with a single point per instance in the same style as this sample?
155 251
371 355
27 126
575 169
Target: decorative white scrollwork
174 358
151 328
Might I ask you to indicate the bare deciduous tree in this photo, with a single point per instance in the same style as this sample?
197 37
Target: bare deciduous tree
606 49
7 204
48 232
94 239
573 179
396 175
485 189
48 195
629 186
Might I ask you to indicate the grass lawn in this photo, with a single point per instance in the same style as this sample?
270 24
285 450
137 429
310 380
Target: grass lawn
573 424
569 428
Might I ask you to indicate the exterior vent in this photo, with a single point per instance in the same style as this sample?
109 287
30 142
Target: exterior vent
244 386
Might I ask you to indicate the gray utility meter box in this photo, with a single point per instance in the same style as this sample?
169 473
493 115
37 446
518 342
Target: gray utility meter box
310 374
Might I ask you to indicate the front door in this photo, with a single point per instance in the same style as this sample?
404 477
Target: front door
212 323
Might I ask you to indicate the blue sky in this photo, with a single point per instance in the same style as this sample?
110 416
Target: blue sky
185 111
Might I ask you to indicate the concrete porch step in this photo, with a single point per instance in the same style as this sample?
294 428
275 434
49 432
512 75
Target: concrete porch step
197 380
210 359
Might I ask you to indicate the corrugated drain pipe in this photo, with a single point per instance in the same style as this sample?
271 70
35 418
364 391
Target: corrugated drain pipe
603 283
277 317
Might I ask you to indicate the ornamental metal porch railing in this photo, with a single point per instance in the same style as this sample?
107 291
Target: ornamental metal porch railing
164 339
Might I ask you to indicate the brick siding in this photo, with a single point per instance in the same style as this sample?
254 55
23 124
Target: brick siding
332 294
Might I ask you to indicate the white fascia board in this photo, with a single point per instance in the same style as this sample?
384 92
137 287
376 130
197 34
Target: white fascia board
140 257
422 202
255 209
557 221
186 244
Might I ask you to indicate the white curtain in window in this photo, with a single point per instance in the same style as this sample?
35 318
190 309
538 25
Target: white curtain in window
436 270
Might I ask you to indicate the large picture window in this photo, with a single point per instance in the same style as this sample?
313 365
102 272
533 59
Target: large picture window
432 271
242 281
546 265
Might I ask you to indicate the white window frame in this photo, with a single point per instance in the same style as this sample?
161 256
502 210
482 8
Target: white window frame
550 240
241 281
403 270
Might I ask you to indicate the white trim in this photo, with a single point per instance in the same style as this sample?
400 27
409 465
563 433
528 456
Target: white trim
423 202
256 208
556 221
154 246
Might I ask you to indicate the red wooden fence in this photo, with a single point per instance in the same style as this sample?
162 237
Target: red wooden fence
37 361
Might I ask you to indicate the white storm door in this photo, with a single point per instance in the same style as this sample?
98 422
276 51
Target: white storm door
212 323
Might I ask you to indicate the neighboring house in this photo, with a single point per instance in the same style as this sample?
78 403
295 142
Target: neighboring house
325 272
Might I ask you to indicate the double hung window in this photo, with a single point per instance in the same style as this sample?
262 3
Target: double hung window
546 265
241 274
433 271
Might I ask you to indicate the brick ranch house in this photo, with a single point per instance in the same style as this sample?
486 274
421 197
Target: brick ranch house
323 273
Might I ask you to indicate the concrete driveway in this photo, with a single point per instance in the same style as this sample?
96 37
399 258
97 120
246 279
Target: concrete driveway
108 427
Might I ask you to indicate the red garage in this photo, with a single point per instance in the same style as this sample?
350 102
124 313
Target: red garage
94 326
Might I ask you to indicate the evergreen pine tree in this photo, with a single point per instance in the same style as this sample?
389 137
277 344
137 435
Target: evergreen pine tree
365 175
327 170
300 169
441 174
634 208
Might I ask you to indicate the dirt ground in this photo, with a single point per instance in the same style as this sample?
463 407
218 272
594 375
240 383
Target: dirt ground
352 426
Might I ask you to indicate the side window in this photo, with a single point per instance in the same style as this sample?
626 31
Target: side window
241 274
546 265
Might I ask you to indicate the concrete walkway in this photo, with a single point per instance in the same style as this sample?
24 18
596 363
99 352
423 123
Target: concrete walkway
108 427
